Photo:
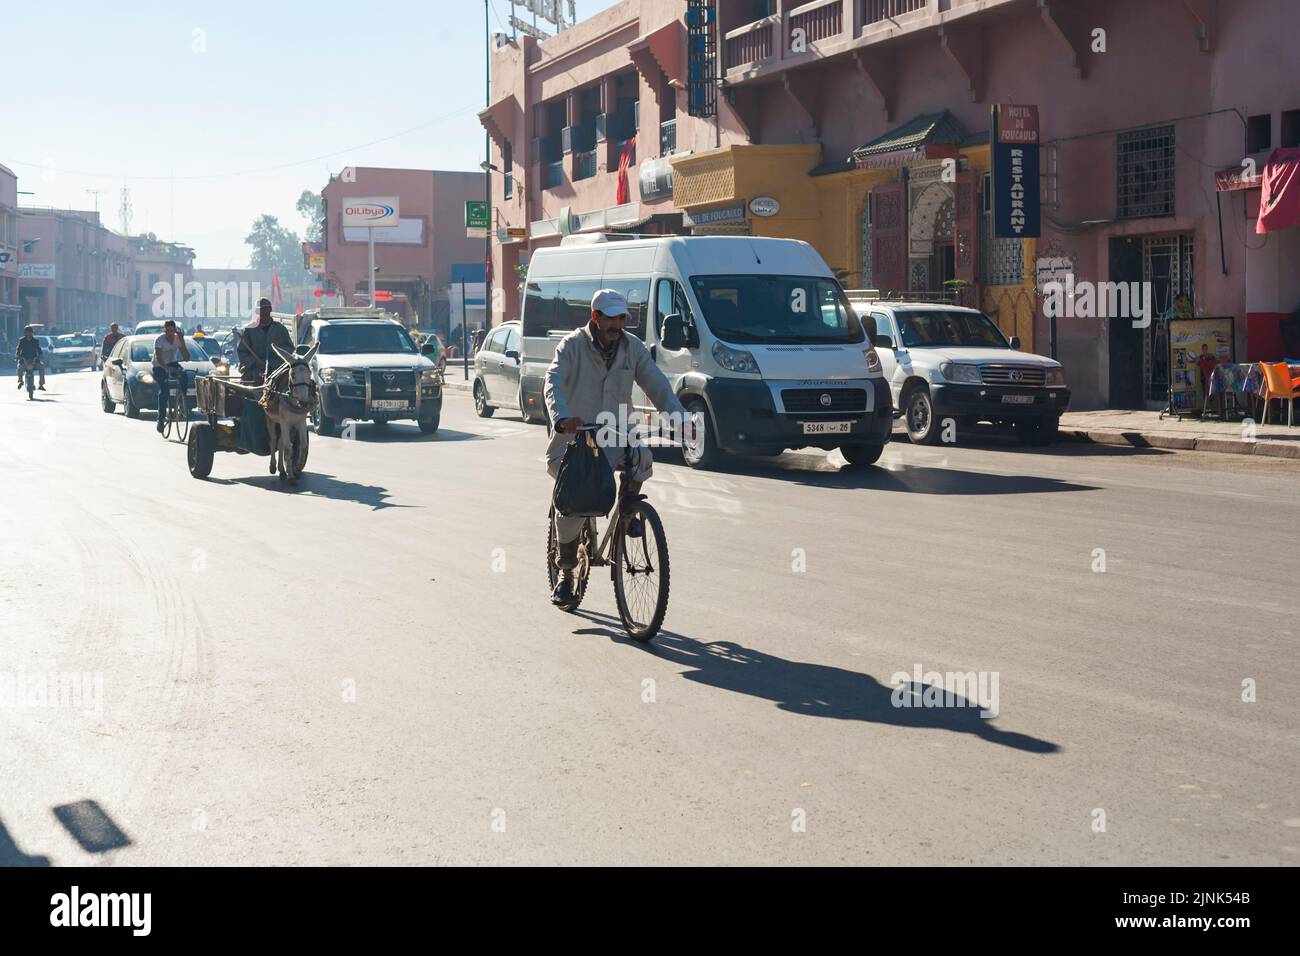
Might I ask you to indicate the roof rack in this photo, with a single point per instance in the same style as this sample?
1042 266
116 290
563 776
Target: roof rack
936 297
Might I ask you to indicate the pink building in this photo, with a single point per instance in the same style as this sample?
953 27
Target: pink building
863 128
10 311
413 259
567 111
155 261
74 273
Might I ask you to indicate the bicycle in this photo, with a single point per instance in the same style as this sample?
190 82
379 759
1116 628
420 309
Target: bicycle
638 566
178 411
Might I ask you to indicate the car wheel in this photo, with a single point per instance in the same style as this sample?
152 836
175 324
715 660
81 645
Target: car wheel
860 456
524 413
481 406
128 403
325 426
704 452
918 416
106 403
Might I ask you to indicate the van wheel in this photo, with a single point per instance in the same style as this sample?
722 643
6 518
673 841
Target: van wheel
324 424
481 407
860 456
918 416
704 452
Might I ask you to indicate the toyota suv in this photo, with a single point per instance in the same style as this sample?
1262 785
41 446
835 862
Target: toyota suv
946 363
368 368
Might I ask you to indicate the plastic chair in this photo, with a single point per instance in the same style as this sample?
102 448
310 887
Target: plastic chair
1278 383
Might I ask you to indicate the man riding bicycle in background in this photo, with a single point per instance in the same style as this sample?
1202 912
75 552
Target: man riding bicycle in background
29 350
168 349
593 372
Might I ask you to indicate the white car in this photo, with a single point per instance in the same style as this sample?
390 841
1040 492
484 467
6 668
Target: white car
946 363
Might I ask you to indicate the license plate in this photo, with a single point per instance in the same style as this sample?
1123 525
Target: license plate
388 404
827 428
1018 399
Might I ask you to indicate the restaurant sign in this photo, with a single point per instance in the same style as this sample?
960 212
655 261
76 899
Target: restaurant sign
1014 137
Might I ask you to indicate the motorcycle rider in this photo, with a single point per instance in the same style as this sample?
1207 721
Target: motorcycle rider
112 338
29 350
592 373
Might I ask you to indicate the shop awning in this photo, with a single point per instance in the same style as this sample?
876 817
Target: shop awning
1279 203
500 118
933 136
661 50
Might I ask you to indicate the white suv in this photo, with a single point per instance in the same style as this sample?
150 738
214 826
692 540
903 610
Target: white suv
946 362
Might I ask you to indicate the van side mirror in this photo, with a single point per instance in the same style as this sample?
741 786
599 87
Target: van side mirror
301 350
868 326
883 342
674 332
428 348
1015 342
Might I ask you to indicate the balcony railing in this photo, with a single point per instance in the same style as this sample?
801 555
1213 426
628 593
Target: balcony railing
749 44
552 175
667 137
874 11
584 165
819 20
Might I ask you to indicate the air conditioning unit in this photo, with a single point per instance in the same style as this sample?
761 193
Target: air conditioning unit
602 119
636 115
566 139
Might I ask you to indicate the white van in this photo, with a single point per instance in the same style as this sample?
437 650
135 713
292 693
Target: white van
755 334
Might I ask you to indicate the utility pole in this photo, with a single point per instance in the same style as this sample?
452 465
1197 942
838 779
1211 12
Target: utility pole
124 211
487 174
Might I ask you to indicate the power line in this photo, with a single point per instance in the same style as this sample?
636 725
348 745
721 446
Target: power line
254 172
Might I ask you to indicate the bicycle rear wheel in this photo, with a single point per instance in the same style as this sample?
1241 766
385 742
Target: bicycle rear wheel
640 568
582 573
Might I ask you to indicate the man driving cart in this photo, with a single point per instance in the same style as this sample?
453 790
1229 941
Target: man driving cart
257 356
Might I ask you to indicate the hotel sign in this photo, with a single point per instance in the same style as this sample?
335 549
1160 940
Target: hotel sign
707 216
1014 139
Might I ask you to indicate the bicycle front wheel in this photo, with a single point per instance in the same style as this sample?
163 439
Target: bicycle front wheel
181 409
641 574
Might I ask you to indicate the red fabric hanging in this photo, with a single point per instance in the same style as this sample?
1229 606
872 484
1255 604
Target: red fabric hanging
624 192
1279 203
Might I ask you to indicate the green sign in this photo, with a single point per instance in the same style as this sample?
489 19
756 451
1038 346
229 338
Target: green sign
476 214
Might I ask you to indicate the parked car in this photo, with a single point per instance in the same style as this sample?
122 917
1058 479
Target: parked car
127 379
72 352
755 335
368 368
944 361
496 375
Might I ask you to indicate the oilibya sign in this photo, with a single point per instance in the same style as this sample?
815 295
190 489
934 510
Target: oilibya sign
372 211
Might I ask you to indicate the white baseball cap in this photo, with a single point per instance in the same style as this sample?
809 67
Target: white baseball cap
610 302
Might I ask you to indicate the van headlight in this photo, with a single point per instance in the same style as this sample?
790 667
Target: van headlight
963 374
873 360
734 360
431 376
337 376
1056 377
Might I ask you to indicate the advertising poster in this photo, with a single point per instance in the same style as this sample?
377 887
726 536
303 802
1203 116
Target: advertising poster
1195 347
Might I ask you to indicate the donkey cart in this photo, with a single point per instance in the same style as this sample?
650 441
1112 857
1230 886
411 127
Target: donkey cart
247 420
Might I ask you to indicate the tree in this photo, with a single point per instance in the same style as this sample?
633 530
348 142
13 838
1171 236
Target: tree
278 248
312 208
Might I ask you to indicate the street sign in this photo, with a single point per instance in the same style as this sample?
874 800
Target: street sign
370 211
476 214
476 232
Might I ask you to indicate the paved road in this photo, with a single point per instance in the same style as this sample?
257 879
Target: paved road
367 669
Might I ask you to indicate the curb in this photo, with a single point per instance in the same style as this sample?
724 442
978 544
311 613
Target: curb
1227 446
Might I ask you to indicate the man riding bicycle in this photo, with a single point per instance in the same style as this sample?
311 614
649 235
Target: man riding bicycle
592 373
168 350
29 350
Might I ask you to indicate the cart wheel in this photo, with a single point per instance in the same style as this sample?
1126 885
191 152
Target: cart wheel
200 449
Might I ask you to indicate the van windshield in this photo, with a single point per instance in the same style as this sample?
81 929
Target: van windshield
777 310
936 327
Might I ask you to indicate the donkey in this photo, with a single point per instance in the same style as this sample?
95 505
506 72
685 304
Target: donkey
286 414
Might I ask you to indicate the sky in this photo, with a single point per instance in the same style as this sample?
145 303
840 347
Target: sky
214 112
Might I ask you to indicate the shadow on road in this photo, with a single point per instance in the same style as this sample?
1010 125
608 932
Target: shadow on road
11 855
814 690
317 485
92 828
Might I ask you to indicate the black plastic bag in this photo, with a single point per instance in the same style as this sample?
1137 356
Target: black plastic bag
585 485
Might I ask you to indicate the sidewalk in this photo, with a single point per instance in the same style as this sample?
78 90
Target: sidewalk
1140 429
